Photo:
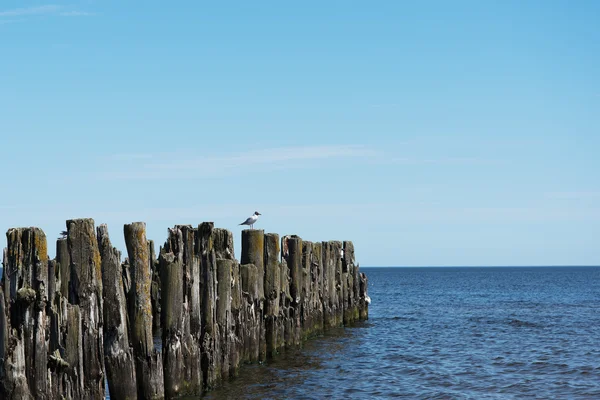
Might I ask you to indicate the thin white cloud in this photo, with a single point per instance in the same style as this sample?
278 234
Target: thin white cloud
76 14
165 165
430 213
131 156
439 161
47 9
574 195
185 166
10 21
50 9
272 156
386 105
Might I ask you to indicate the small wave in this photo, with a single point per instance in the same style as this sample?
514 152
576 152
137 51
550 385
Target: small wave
515 364
399 318
525 324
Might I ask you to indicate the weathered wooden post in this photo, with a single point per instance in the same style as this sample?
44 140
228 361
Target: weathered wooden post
272 288
351 284
65 344
26 273
222 240
118 356
180 313
250 313
363 306
328 286
64 260
338 254
208 266
191 293
86 292
172 316
312 309
224 322
53 280
229 280
332 261
291 248
62 376
148 361
253 253
317 272
155 287
238 328
3 345
285 323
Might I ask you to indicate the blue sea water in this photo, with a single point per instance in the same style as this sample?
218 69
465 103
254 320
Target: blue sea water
450 333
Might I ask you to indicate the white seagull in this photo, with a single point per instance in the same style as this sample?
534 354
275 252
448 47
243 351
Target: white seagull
251 220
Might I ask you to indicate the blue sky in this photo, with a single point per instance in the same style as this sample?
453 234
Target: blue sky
429 133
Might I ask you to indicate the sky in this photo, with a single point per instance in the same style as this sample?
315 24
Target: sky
429 133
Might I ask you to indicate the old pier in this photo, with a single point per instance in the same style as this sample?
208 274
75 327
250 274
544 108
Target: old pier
71 324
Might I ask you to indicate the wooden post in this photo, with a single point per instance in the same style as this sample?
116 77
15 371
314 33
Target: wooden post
148 361
118 356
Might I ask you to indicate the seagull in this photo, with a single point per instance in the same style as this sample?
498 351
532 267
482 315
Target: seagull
251 220
63 234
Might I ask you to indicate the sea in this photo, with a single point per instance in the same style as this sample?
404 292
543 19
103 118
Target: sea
450 333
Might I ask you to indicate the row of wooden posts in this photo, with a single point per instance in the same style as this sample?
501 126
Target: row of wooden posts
70 323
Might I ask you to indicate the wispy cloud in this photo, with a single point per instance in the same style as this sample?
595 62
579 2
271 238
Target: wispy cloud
16 12
76 14
185 165
273 155
10 21
431 213
50 9
130 156
386 105
574 195
153 166
438 161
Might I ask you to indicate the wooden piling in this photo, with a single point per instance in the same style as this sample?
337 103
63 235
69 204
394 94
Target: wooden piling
272 288
292 253
253 253
118 356
148 361
210 348
64 260
86 292
26 271
155 291
224 321
251 313
180 315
